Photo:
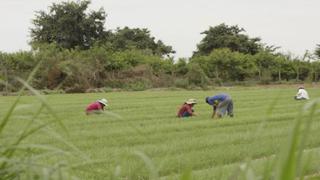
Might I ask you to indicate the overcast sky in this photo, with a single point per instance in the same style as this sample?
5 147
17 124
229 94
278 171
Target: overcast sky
291 24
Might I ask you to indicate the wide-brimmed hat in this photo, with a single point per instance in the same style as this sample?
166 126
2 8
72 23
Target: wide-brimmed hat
103 101
191 101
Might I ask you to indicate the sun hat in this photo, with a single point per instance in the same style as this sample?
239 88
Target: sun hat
103 101
191 101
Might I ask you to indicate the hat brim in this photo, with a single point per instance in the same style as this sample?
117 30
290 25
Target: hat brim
191 102
103 103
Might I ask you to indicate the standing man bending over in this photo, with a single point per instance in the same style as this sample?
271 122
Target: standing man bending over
222 104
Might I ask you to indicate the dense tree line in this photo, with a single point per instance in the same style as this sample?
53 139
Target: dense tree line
76 54
75 70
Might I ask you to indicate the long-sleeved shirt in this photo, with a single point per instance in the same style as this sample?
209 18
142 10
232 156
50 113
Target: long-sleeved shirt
302 93
96 106
217 98
185 108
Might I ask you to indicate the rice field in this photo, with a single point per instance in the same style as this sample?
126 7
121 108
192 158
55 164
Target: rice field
140 137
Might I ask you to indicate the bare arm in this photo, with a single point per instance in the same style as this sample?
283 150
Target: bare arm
214 111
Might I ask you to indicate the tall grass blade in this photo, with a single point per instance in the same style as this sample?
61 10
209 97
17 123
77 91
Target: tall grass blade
311 107
43 101
148 162
290 160
186 175
12 107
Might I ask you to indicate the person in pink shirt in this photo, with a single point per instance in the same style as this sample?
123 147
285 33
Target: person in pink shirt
186 109
96 107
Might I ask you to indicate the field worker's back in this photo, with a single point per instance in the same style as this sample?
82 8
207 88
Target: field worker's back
219 98
186 108
302 94
96 106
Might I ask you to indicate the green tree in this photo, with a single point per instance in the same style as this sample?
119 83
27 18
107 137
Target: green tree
229 65
301 66
265 62
280 63
224 36
317 51
315 70
196 75
18 64
68 25
181 67
223 64
136 38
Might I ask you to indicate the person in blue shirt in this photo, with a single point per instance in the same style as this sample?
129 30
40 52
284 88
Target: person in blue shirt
222 104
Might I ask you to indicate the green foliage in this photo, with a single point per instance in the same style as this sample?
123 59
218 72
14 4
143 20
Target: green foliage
264 61
13 65
317 51
68 25
136 38
19 159
227 65
182 83
181 67
75 70
315 71
196 75
224 36
138 85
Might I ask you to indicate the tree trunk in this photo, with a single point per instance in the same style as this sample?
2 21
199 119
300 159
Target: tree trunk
259 72
217 73
6 76
279 75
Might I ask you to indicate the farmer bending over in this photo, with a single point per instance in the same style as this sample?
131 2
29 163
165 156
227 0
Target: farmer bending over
186 109
96 107
221 103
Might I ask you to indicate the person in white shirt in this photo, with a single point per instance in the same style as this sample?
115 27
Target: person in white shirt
302 94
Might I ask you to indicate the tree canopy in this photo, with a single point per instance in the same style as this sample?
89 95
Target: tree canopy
136 38
68 25
317 52
224 36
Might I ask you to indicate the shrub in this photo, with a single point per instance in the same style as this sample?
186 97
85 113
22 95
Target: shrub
49 91
196 75
139 85
181 83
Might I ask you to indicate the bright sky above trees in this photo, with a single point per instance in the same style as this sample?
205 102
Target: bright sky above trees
291 24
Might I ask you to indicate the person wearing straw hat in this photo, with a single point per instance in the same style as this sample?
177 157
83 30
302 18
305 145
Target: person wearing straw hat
222 104
302 94
96 107
186 109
